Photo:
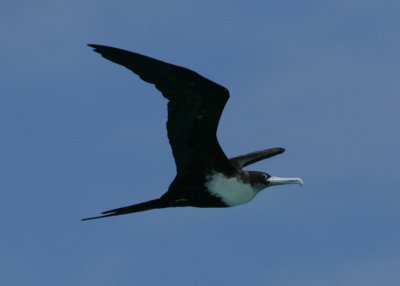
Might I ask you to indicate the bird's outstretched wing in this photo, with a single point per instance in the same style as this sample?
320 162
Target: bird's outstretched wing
250 158
194 109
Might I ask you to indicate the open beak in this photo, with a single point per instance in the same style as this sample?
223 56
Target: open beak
275 181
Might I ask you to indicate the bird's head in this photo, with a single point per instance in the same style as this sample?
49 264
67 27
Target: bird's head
262 180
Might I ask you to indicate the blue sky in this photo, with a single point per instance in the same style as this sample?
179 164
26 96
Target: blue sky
82 135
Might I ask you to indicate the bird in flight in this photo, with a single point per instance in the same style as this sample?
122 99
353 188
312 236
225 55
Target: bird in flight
205 177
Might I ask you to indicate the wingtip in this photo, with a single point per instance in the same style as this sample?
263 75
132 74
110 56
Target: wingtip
94 46
277 150
88 218
95 217
97 48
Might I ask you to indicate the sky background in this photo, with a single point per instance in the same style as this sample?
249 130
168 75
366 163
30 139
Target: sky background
80 135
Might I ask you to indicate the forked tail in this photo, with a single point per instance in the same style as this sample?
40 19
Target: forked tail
149 205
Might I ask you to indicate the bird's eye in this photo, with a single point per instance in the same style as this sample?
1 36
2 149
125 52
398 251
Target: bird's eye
265 177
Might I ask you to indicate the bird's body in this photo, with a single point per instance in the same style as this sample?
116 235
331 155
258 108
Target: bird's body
205 176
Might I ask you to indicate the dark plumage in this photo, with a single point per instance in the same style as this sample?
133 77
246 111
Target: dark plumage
205 176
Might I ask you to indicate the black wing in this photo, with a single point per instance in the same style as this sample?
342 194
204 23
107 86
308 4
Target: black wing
194 109
250 158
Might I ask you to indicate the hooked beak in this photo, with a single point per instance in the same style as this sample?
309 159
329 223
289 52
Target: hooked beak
275 181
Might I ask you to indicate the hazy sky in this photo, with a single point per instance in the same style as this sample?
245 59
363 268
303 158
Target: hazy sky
80 135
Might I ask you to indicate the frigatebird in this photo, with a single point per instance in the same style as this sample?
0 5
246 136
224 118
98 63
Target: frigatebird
205 177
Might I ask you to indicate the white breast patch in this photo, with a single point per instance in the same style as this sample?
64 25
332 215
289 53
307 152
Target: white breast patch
232 191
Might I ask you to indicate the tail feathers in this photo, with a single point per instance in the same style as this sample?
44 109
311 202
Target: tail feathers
153 204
